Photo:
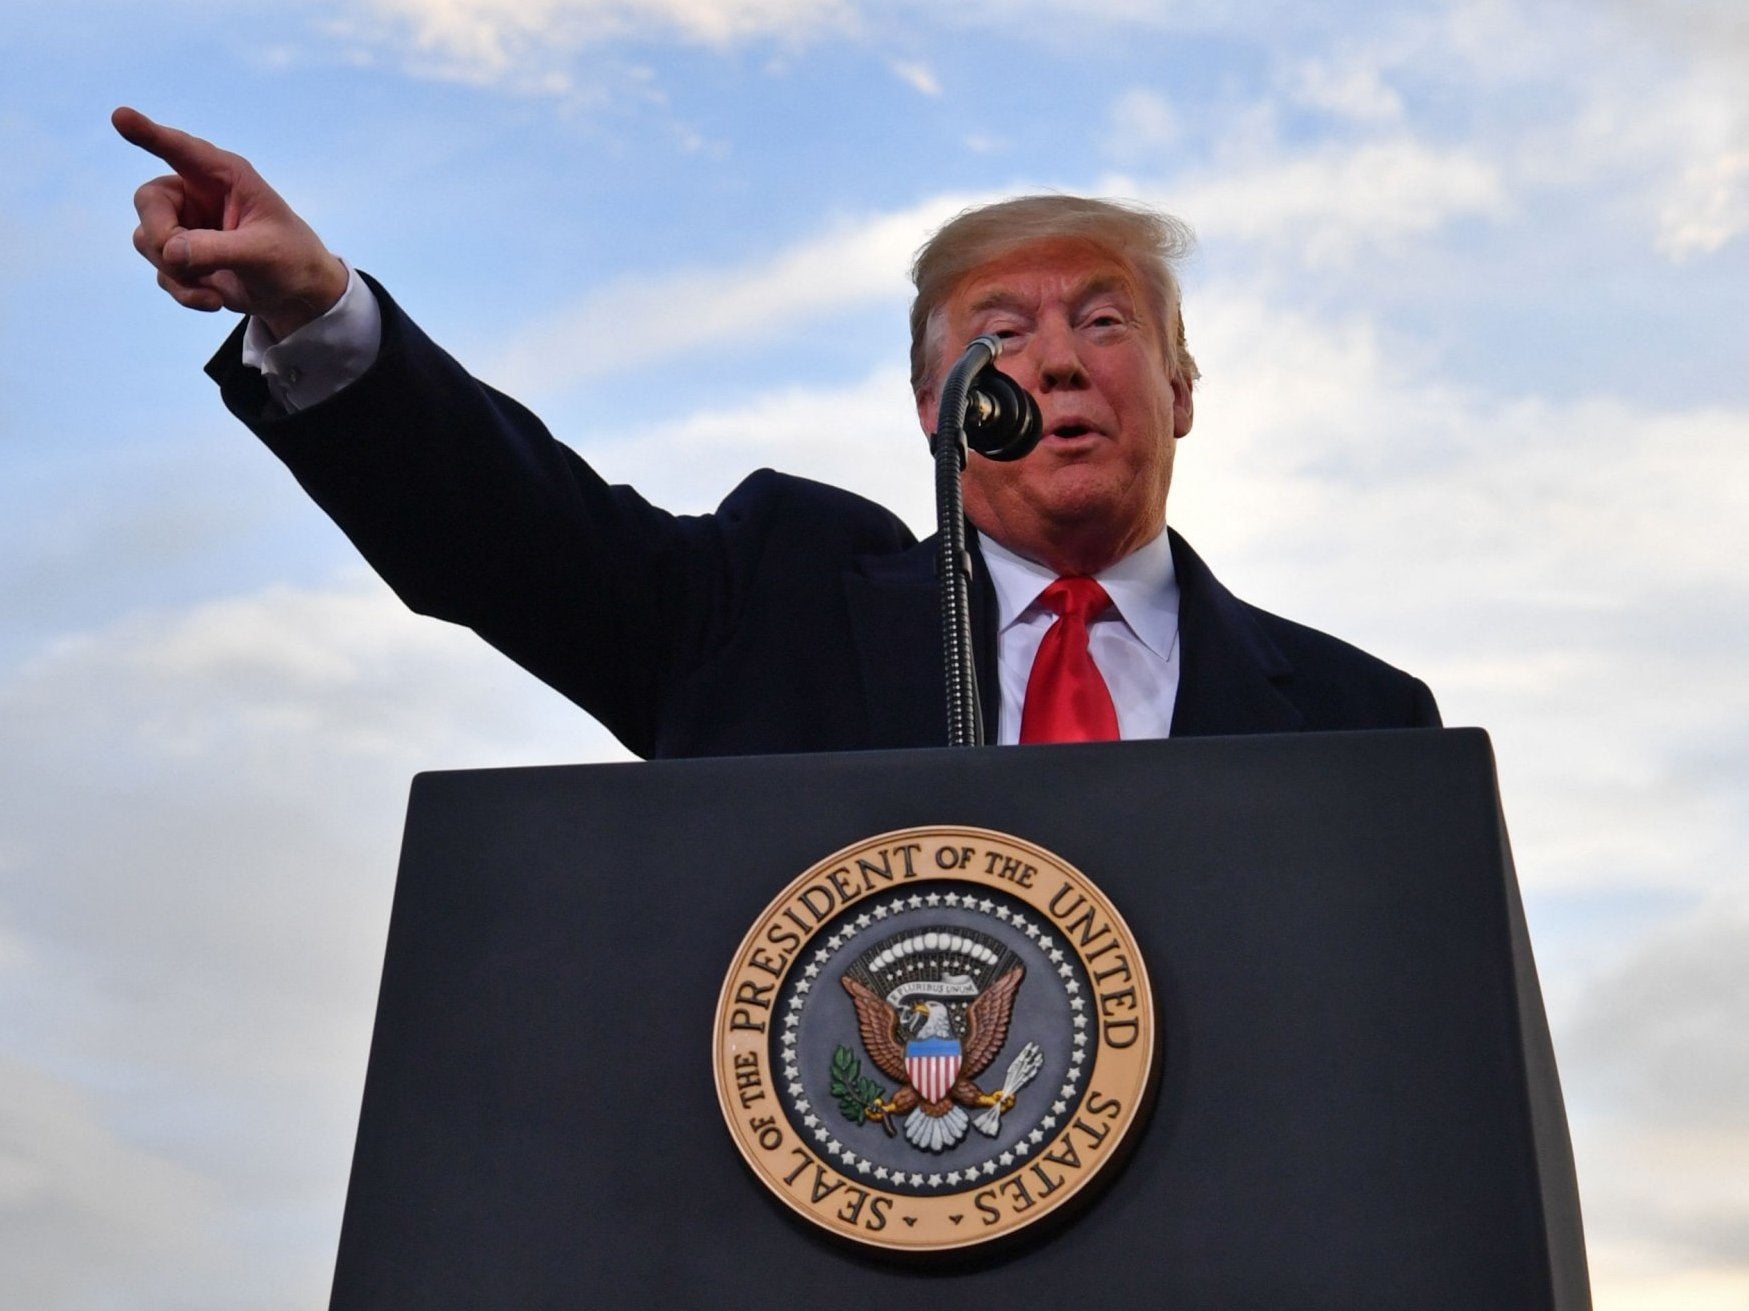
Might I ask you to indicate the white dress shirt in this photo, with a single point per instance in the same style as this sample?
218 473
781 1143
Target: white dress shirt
323 356
1135 643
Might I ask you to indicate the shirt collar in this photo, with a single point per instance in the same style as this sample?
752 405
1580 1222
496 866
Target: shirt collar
1143 587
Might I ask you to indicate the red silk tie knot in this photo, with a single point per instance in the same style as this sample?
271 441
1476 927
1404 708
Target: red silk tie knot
1066 696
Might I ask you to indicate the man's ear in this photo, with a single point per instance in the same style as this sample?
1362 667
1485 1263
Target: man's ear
926 411
1183 407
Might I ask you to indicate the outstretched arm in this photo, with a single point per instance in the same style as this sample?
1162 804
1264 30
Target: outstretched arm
221 238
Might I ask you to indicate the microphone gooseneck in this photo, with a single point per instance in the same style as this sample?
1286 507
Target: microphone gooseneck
992 414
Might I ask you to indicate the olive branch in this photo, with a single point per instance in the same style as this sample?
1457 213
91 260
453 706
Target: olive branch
855 1093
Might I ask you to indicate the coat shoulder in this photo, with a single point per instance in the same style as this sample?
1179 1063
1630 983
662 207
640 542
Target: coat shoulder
1336 685
839 523
1249 670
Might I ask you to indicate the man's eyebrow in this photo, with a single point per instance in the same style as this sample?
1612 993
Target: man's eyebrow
1103 285
999 298
1003 298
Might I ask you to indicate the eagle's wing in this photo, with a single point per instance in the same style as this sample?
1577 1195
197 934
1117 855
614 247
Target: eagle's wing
987 1023
879 1023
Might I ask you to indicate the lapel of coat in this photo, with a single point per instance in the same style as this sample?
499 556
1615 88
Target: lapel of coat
896 627
1231 675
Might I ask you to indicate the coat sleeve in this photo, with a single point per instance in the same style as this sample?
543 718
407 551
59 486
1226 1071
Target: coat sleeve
470 510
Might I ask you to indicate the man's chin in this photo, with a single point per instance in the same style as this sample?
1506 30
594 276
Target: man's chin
1075 502
1076 497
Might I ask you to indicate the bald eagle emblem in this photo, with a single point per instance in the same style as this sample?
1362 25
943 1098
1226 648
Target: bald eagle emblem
933 1009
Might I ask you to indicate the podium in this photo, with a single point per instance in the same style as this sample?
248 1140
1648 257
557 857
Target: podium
1357 1102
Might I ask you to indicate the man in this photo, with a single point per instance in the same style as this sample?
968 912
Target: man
798 616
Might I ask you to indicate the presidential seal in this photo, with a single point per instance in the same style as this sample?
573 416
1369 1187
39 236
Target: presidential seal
934 1039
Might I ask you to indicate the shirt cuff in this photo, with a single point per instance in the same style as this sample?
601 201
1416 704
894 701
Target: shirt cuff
324 355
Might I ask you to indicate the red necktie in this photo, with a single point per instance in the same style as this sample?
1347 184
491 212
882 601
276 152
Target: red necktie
1066 696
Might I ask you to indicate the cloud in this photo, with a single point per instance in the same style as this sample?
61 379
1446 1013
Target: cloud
1663 1034
1337 201
1656 1058
1620 1282
1707 29
864 436
1329 205
1479 110
1143 123
492 33
84 1213
1709 207
200 810
528 43
918 76
1568 575
1631 103
641 320
1352 90
1678 158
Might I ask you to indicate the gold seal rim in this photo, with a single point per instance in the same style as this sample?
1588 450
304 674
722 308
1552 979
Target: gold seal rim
1129 1071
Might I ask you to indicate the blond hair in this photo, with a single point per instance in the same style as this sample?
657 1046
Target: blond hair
1148 241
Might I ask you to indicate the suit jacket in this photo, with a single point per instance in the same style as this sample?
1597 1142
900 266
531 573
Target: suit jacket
798 617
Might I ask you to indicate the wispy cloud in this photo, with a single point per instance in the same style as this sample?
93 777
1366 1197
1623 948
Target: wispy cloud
85 1212
918 76
864 436
1657 1054
200 808
1328 205
1631 103
637 321
527 43
1554 593
1709 205
1143 124
1352 90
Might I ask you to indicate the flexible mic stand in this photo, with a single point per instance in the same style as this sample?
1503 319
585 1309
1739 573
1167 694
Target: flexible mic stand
994 416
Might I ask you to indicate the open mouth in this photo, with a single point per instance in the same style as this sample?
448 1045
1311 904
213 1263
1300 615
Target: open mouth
1069 431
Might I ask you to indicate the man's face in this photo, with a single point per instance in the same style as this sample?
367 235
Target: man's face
1078 332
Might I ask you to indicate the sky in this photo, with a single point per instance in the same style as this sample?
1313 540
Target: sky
1467 298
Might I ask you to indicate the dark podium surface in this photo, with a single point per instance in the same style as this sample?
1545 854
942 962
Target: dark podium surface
1357 1105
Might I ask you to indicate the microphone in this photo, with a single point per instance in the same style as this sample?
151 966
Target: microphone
1002 418
997 416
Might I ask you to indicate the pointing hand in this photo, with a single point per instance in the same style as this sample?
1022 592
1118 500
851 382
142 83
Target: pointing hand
221 238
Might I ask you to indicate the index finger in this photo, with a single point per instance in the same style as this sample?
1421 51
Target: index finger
188 155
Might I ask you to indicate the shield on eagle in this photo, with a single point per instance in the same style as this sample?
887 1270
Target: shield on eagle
932 1065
